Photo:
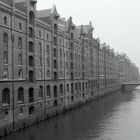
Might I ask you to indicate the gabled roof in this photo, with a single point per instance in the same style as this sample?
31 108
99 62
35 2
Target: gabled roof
48 12
43 13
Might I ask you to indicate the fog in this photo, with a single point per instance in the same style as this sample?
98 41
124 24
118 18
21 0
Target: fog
116 22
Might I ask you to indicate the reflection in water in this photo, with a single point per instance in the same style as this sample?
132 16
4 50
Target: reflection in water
115 117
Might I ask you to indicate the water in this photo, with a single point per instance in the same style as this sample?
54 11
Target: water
116 117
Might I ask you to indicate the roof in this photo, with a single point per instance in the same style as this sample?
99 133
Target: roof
48 12
43 13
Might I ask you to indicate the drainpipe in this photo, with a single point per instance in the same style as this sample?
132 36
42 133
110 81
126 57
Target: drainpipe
12 38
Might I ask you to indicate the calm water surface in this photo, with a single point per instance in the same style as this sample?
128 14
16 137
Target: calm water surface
116 117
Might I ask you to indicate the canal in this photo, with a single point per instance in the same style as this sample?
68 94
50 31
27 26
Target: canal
115 117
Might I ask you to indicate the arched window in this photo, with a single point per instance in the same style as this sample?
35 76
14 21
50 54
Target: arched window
20 95
5 20
31 61
41 92
48 91
20 73
5 74
6 97
20 43
61 89
55 91
31 95
31 17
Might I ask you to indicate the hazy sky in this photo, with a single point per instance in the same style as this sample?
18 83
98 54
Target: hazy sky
116 22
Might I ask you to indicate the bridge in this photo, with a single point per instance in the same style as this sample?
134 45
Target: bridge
130 85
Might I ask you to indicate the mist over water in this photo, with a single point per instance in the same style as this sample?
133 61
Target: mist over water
115 117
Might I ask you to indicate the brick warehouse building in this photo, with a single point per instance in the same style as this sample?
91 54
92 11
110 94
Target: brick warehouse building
48 64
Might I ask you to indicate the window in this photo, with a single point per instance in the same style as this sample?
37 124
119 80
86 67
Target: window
48 62
55 76
47 37
68 88
48 73
31 17
6 97
30 32
72 76
83 86
72 36
40 73
76 88
47 50
55 103
20 43
55 29
55 52
20 26
72 88
20 59
31 95
39 33
61 89
31 61
5 38
31 77
48 91
40 60
20 95
55 91
79 86
30 47
20 73
40 92
55 40
55 64
40 48
5 20
5 57
31 110
5 74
